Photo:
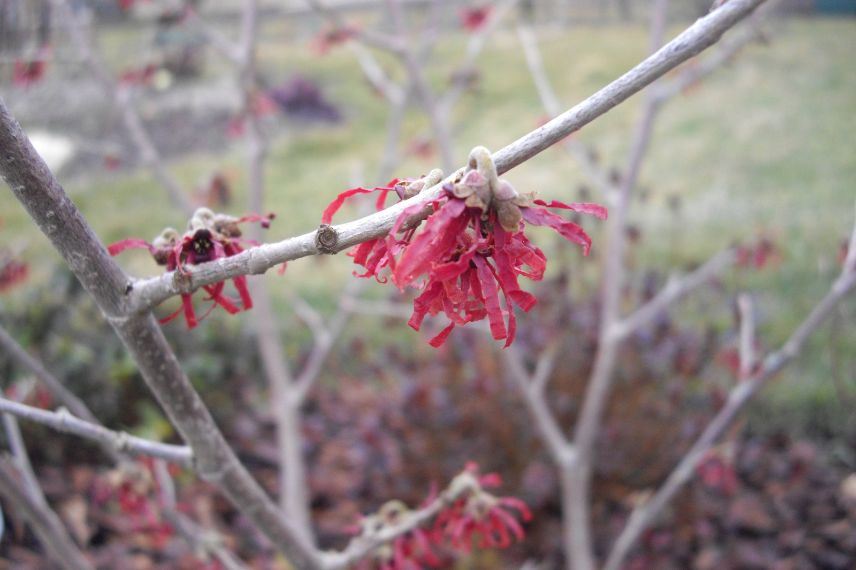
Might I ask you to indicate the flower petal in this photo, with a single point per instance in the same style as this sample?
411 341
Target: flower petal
568 230
131 243
582 207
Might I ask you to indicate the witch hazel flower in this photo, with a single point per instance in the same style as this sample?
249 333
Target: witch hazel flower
467 255
209 236
376 255
412 550
469 517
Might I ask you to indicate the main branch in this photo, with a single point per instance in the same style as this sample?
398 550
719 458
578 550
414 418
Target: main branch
701 35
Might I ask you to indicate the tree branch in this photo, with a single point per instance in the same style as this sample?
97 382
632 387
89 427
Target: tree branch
147 293
121 442
739 396
42 520
675 290
532 389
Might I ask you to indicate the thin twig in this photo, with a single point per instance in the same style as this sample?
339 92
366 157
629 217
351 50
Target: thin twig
532 389
21 459
747 335
675 289
45 524
63 421
147 293
206 540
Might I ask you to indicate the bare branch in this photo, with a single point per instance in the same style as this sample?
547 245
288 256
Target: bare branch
671 87
747 336
532 390
221 43
21 459
45 523
206 540
675 289
376 76
122 442
369 38
739 396
150 292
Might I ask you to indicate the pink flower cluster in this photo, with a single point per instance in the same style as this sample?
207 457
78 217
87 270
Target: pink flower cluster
471 249
209 236
473 517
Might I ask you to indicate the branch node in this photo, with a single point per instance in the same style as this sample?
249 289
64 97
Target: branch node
326 239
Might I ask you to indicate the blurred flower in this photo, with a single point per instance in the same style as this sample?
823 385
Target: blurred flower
472 19
302 98
758 254
28 72
481 518
138 76
209 236
331 37
12 273
474 517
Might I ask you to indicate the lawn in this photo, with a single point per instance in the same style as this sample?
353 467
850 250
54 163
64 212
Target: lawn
764 146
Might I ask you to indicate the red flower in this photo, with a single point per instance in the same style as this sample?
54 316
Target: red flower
26 73
473 246
138 76
481 518
330 37
472 19
472 517
209 236
12 272
409 551
757 254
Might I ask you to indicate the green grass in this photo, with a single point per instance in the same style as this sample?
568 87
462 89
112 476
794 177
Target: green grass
766 145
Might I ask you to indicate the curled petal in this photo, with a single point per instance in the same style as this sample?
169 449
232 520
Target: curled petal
333 207
582 207
440 339
568 230
131 243
490 296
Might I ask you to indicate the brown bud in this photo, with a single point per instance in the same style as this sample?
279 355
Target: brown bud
509 216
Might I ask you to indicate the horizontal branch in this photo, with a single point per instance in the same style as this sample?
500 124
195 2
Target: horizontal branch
701 35
122 442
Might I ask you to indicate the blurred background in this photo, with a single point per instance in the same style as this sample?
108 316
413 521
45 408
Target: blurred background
760 150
